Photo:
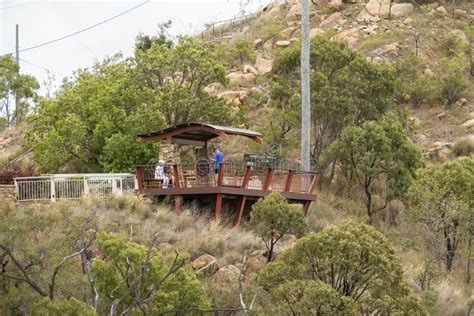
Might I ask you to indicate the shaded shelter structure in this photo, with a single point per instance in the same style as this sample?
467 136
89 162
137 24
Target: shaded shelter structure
239 181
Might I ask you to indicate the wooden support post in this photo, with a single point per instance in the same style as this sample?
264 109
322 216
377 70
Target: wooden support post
218 205
239 208
139 177
307 204
268 180
289 178
220 175
220 178
178 199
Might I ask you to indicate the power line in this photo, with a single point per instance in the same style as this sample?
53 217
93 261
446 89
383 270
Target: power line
16 6
35 65
82 30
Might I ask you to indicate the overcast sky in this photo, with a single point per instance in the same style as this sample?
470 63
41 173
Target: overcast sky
41 21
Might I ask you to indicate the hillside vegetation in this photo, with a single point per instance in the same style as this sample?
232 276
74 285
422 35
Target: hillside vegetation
392 106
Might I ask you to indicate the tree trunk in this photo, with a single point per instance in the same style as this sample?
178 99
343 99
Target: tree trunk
369 202
270 251
331 176
449 255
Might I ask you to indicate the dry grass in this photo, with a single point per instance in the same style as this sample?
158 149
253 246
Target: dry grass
137 218
330 209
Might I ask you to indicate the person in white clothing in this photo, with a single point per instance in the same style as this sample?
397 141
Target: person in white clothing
160 174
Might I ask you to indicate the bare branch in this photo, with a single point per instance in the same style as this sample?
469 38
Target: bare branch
241 289
63 261
26 277
137 279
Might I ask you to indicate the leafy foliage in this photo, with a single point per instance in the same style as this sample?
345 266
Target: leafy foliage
243 51
412 81
377 151
349 268
442 198
313 297
15 86
345 89
453 83
79 126
92 123
272 217
165 285
70 307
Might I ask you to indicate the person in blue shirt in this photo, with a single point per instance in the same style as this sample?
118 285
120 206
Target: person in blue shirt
218 158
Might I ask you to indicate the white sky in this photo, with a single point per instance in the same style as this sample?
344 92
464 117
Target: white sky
42 20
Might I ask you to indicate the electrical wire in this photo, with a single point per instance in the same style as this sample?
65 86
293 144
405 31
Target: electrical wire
16 6
35 65
80 31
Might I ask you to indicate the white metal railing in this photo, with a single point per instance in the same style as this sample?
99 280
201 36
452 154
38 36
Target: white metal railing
72 186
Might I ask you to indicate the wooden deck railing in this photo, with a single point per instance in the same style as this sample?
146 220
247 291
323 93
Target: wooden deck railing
230 174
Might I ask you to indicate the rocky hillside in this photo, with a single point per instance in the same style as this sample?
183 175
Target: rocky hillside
385 32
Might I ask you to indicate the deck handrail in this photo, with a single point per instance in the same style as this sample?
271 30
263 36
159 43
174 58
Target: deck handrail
231 173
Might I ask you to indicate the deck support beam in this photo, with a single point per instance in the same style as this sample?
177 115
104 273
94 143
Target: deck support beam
178 199
239 208
218 205
307 204
220 178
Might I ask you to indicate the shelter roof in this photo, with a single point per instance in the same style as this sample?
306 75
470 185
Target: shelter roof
197 134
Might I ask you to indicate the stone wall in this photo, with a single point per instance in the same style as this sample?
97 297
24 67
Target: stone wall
7 193
169 153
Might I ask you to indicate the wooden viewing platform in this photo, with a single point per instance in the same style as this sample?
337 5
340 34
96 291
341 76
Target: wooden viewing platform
236 180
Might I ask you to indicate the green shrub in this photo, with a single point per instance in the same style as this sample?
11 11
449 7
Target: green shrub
453 83
243 51
464 147
452 44
412 81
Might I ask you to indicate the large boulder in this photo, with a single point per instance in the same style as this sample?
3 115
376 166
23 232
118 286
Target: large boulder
227 274
373 7
263 65
401 10
286 33
384 9
332 19
230 95
468 123
257 42
336 5
283 43
250 69
349 36
239 78
294 12
205 264
274 11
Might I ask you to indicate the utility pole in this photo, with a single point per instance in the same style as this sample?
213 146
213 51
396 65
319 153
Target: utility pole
305 89
17 55
17 42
